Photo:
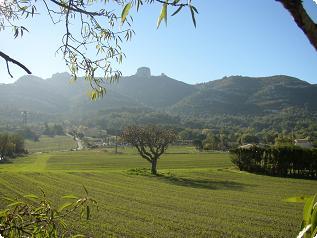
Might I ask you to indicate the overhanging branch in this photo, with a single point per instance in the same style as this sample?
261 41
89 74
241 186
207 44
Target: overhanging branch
8 59
302 19
73 7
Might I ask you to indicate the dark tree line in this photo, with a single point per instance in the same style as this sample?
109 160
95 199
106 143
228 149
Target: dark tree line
226 129
277 160
53 130
28 133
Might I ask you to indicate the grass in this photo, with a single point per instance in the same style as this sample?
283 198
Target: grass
48 144
197 195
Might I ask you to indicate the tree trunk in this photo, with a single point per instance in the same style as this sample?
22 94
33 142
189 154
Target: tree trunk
153 169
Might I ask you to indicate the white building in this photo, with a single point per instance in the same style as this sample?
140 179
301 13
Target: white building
304 143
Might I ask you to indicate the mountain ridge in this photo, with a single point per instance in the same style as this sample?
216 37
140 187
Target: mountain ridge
229 95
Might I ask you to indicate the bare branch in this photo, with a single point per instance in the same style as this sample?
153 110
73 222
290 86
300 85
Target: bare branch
174 4
9 59
77 9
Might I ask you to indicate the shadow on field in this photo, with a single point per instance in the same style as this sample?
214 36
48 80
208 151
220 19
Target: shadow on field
6 161
200 183
188 182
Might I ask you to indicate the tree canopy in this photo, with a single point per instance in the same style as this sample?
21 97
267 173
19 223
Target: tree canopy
150 141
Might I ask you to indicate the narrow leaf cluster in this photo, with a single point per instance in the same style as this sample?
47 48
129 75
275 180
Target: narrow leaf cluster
309 222
36 216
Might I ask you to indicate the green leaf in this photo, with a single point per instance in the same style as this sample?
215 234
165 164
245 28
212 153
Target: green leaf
14 204
178 10
192 11
33 10
139 2
93 95
93 201
64 206
81 213
86 191
163 14
125 12
70 196
300 199
194 8
308 209
314 218
3 212
8 199
62 223
16 32
24 8
43 193
32 196
25 29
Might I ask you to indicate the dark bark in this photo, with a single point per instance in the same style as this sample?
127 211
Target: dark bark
154 164
302 19
8 59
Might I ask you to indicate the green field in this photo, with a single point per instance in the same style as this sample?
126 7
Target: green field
47 144
200 194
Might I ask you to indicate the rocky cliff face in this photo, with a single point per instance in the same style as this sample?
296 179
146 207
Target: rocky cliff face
143 72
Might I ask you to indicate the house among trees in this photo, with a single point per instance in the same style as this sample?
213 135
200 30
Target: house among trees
304 143
246 146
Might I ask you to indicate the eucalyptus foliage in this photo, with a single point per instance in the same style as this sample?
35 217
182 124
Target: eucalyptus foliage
37 216
309 222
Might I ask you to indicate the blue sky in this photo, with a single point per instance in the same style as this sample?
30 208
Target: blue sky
245 37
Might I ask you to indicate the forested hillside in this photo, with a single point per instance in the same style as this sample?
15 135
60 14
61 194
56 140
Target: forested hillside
247 95
231 97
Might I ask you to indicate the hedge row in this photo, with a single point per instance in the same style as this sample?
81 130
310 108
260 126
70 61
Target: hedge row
277 160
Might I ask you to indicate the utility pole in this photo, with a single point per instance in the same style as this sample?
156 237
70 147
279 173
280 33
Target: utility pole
116 151
24 118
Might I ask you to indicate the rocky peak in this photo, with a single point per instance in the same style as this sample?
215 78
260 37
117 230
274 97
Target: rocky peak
144 72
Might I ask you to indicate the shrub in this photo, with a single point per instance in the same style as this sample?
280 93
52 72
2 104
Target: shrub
281 160
10 146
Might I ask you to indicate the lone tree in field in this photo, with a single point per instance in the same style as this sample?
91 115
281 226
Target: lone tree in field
150 141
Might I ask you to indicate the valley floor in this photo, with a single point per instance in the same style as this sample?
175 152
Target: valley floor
198 195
